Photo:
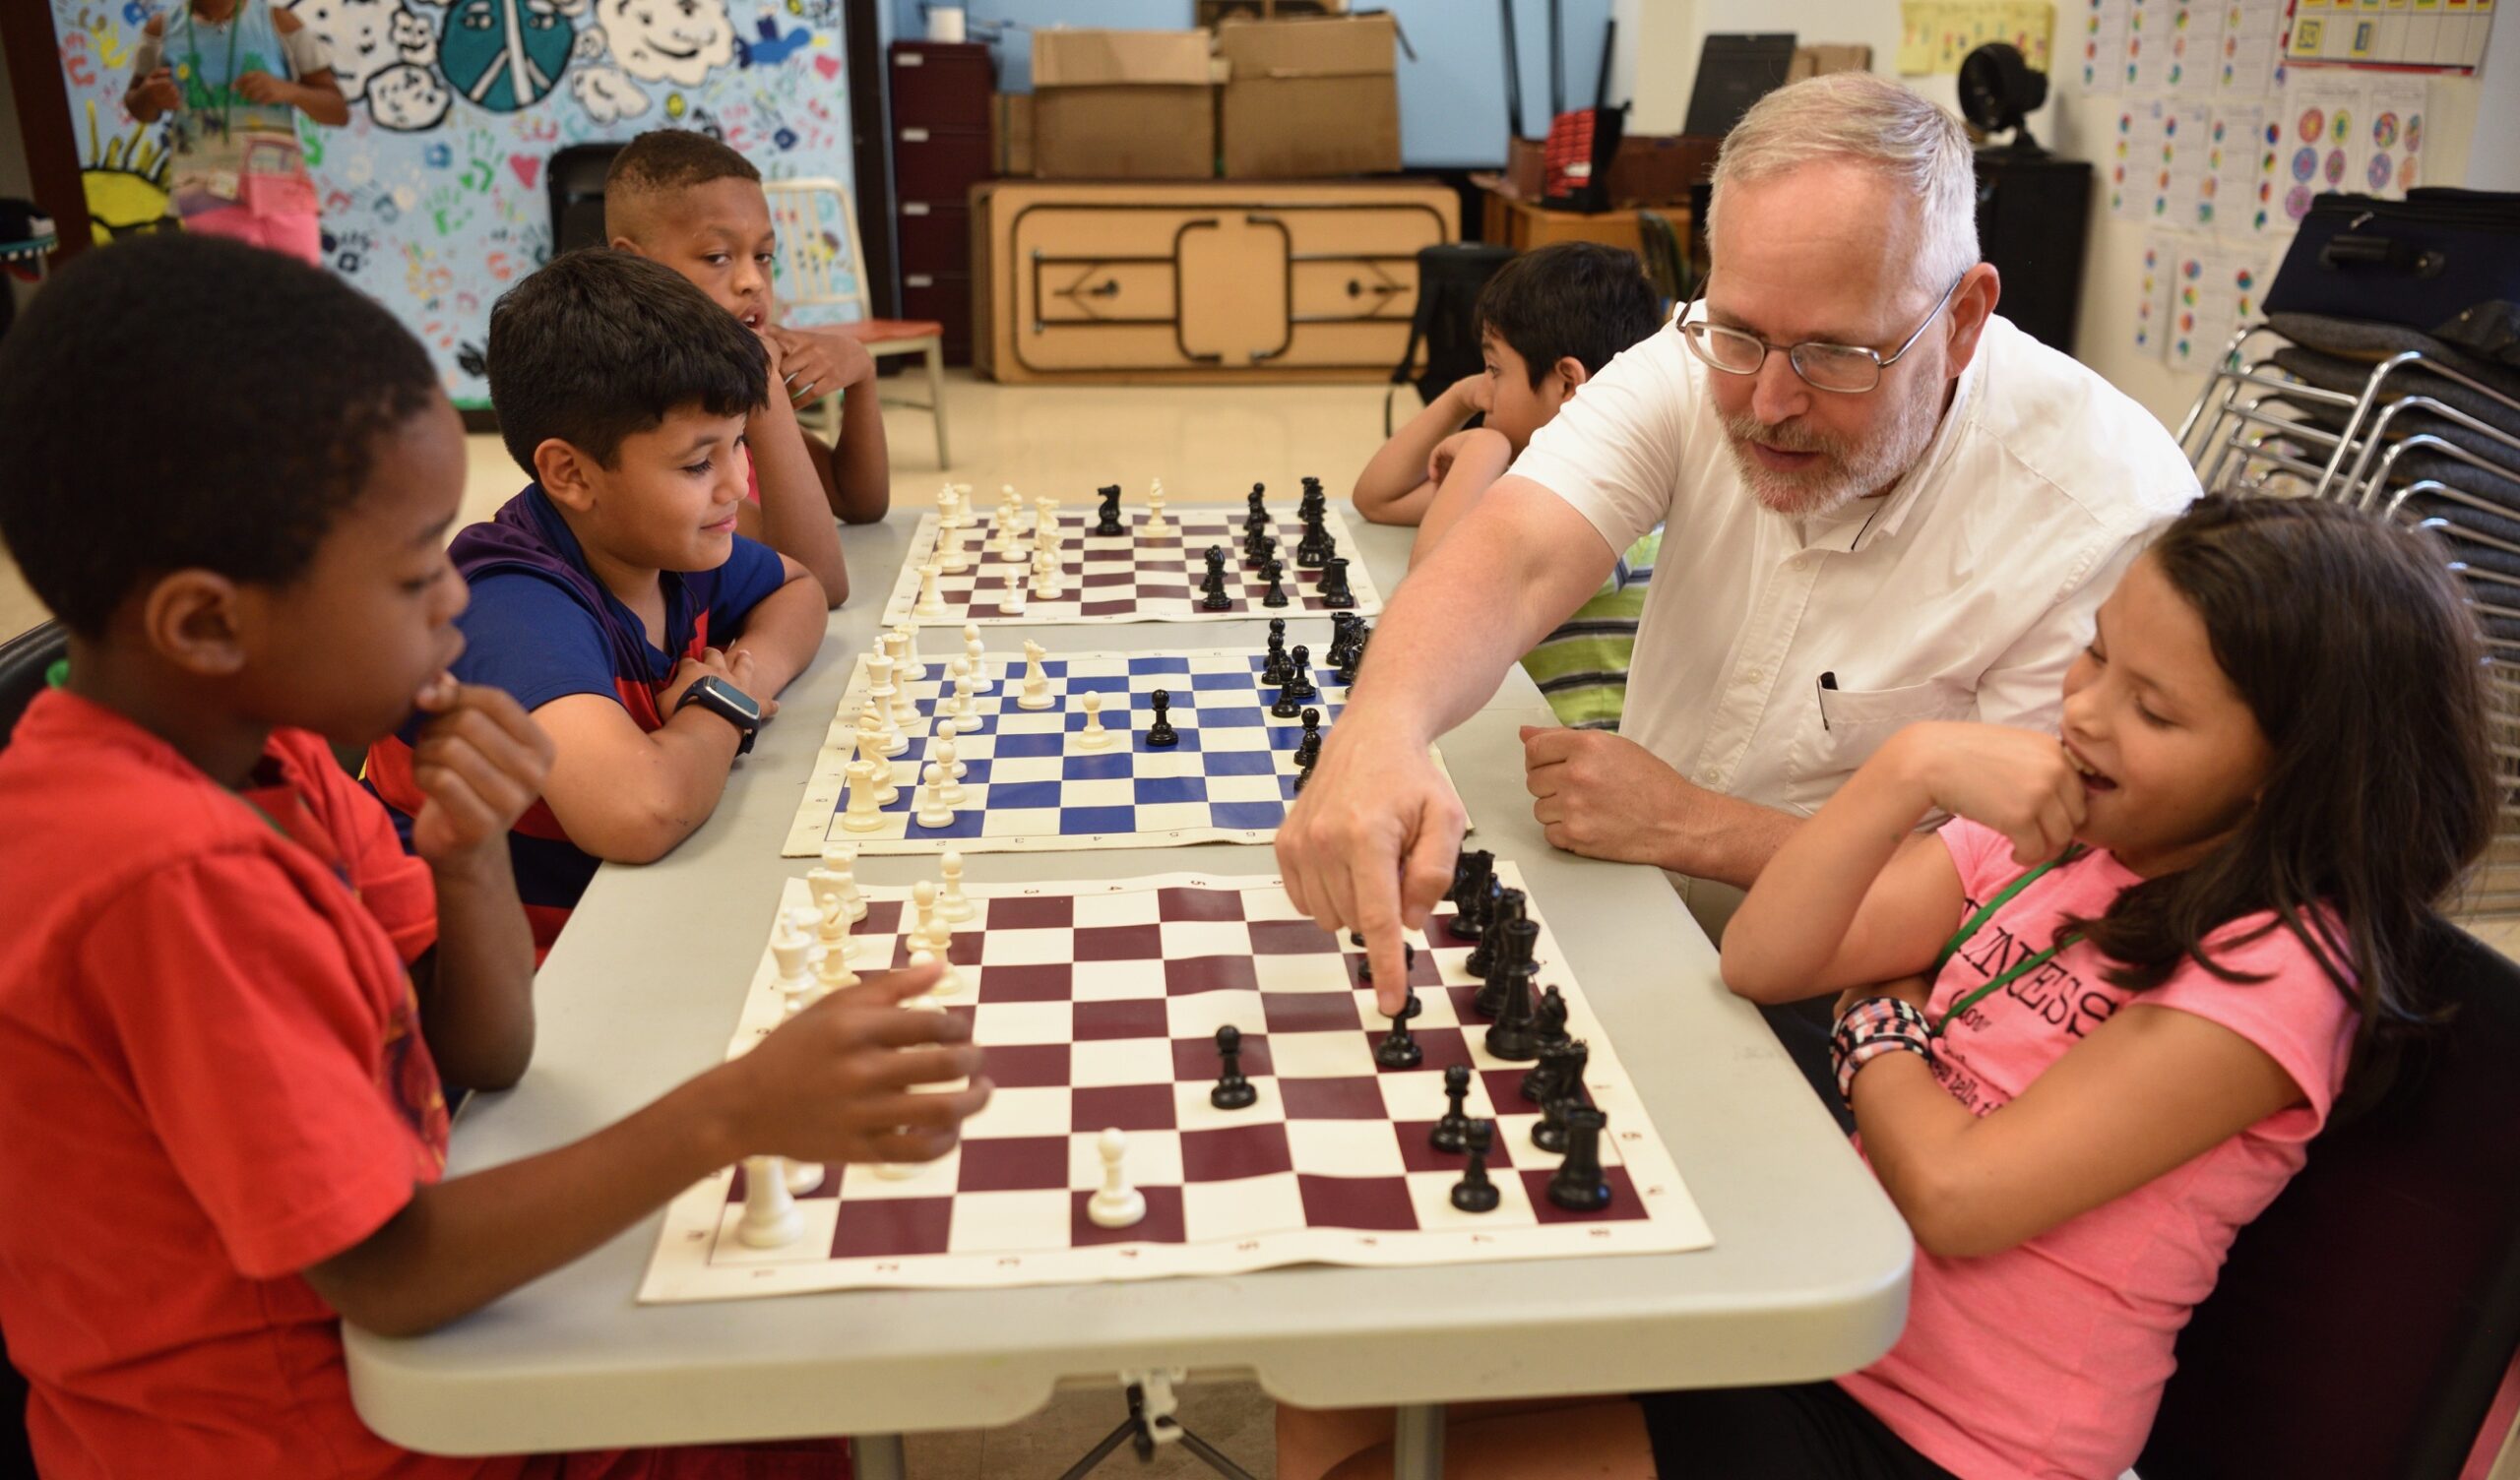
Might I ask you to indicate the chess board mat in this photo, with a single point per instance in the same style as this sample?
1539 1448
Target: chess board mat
1124 577
1029 788
1097 1005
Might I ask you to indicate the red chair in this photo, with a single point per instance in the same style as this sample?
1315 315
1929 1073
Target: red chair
819 254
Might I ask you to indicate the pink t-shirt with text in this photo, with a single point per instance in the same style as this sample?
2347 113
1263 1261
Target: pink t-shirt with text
2048 1359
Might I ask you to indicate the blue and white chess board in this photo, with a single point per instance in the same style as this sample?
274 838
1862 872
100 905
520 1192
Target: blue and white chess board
1031 785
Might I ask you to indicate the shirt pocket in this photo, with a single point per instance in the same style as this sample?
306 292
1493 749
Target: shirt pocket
1847 725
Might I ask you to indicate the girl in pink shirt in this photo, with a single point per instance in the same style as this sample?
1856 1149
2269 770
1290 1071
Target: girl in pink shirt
2181 928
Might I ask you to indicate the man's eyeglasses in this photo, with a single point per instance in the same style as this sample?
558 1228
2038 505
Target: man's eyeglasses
1848 369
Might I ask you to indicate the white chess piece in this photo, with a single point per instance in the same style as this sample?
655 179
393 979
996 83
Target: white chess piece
831 913
1046 575
932 811
861 813
1114 1204
889 739
907 667
977 652
770 1219
966 707
951 903
879 680
1036 684
1013 602
950 554
791 952
926 935
840 862
947 763
930 604
1154 527
870 749
928 1000
1094 736
951 729
832 973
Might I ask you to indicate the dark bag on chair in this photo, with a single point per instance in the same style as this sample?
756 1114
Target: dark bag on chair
1449 277
2443 261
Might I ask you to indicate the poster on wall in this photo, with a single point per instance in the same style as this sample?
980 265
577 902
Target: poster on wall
433 196
2442 35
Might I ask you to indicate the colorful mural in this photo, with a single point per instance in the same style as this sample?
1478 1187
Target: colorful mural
433 195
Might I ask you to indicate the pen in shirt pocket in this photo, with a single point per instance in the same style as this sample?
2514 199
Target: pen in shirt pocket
1828 681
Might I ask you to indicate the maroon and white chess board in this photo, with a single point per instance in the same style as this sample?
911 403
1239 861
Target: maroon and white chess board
1097 1003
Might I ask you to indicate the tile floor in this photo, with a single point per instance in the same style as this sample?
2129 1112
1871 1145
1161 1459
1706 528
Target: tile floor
1205 443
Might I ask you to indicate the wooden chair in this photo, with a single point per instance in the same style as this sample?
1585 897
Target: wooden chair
819 258
2363 1323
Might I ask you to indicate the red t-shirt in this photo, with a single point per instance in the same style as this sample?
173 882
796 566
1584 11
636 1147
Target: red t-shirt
216 1078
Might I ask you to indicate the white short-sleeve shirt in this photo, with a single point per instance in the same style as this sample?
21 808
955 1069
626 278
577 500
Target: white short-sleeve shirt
1961 594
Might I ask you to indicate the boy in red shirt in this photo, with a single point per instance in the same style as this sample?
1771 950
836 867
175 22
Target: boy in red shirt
226 994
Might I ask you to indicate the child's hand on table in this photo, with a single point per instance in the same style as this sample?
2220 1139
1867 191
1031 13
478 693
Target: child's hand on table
843 1079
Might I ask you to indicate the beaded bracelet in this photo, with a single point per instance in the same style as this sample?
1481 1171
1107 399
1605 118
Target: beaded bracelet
1872 1027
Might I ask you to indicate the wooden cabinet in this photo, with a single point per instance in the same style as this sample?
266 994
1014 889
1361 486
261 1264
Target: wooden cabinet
1227 282
940 114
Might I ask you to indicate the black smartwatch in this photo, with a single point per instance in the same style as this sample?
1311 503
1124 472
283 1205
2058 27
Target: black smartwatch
728 702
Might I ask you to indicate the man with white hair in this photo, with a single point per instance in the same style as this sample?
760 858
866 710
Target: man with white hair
1883 504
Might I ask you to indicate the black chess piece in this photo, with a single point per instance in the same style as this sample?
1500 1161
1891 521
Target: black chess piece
1399 1048
1341 625
1308 749
1109 523
1274 670
1452 1132
1365 964
1299 673
1334 584
1232 1091
1276 575
1579 1185
1255 508
1500 905
1512 1036
1212 587
1302 777
1161 734
1548 1133
1550 1020
1259 548
1472 871
1474 1193
1560 1071
1289 704
1308 551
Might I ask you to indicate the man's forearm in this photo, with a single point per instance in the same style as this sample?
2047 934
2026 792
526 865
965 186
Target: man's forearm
1730 840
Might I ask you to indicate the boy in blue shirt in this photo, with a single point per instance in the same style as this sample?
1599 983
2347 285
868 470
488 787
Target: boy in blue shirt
614 598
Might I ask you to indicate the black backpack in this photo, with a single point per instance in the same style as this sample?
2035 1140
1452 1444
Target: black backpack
1449 277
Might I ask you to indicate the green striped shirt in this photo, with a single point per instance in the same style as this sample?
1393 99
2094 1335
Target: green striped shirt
1582 666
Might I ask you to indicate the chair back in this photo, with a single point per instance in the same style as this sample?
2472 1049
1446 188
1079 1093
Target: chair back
25 660
2362 1323
574 179
819 251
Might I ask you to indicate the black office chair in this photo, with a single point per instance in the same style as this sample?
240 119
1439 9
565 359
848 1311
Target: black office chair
575 179
2363 1323
25 660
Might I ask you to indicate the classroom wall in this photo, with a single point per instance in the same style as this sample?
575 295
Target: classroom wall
1452 103
433 195
2475 124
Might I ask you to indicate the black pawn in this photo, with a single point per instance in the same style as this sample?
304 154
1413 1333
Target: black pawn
1366 963
1452 1132
1302 777
1579 1185
1308 749
1212 587
1274 669
1255 508
1470 874
1259 548
1161 734
1501 905
1232 1091
1512 1037
1276 575
1399 1048
1109 522
1299 673
1474 1193
1334 584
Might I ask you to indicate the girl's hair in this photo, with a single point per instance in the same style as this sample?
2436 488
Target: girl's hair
2350 640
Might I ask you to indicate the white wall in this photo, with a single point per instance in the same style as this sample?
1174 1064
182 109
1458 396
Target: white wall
2462 111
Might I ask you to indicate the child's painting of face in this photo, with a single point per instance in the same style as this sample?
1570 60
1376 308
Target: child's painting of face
668 41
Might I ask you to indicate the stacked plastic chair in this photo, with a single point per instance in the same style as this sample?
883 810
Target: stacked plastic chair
2384 417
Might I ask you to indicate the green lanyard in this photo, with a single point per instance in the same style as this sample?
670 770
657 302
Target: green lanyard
1952 947
192 46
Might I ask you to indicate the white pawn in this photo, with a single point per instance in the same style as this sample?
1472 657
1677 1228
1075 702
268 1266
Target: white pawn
840 862
771 1219
932 811
951 903
862 815
1115 1204
1012 604
930 1001
946 766
966 707
930 604
931 934
1045 576
791 951
977 652
1036 684
949 729
1094 736
1154 527
832 973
